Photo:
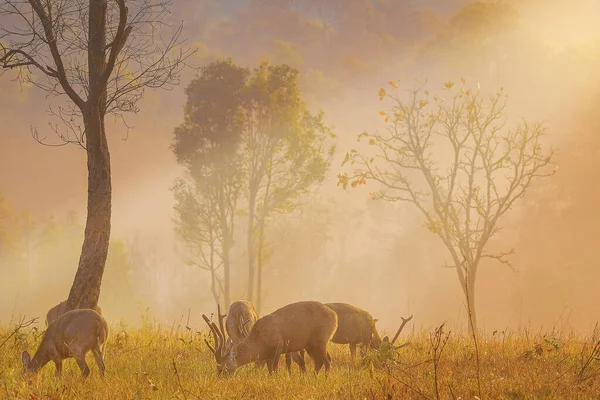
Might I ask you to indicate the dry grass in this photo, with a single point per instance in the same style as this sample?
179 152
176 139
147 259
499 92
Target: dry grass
154 363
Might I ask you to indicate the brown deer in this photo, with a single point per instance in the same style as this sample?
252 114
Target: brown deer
305 325
240 319
357 326
241 315
72 335
60 309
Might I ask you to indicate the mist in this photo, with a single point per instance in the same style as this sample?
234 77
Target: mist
340 245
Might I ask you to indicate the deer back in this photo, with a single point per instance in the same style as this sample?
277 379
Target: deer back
355 325
291 328
55 312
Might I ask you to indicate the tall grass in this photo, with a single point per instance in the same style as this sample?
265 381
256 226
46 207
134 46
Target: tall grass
157 363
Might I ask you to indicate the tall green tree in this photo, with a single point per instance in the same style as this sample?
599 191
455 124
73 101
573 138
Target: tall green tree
287 152
207 145
244 131
102 56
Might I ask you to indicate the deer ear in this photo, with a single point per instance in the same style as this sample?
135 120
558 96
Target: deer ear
386 339
375 320
25 358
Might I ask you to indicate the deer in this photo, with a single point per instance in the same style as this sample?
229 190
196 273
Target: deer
240 318
305 325
241 315
60 309
74 334
357 326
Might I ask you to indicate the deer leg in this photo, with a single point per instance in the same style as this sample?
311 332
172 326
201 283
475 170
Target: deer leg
276 360
363 350
317 360
298 358
99 360
288 363
80 358
58 365
352 351
326 359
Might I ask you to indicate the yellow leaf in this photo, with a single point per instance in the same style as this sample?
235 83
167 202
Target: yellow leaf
463 80
381 93
393 84
371 141
387 119
381 112
423 103
448 85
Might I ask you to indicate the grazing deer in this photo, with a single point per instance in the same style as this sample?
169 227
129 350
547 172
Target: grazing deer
357 326
60 309
240 319
241 315
72 335
305 325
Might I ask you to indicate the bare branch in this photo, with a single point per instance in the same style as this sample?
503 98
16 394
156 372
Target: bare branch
463 195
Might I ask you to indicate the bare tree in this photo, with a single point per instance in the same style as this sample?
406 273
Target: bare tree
102 55
453 159
204 220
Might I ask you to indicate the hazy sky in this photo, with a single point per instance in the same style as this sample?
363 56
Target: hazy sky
345 53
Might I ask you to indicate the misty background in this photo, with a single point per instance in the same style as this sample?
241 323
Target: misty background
341 246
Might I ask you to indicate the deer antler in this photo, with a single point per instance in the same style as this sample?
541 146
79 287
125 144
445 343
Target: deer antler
404 322
218 333
215 350
244 327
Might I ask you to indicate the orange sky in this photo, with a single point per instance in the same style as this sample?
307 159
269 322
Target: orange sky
342 62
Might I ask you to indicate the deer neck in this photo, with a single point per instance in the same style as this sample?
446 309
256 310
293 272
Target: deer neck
247 352
40 358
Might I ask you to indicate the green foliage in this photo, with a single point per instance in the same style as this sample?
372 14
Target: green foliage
263 141
211 126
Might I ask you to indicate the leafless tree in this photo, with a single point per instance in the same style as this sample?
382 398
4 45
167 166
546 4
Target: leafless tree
204 222
101 55
453 159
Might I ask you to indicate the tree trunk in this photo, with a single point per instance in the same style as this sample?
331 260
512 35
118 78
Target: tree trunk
213 274
213 287
85 290
260 263
468 286
226 268
251 244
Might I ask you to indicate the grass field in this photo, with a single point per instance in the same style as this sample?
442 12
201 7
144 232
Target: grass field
158 363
